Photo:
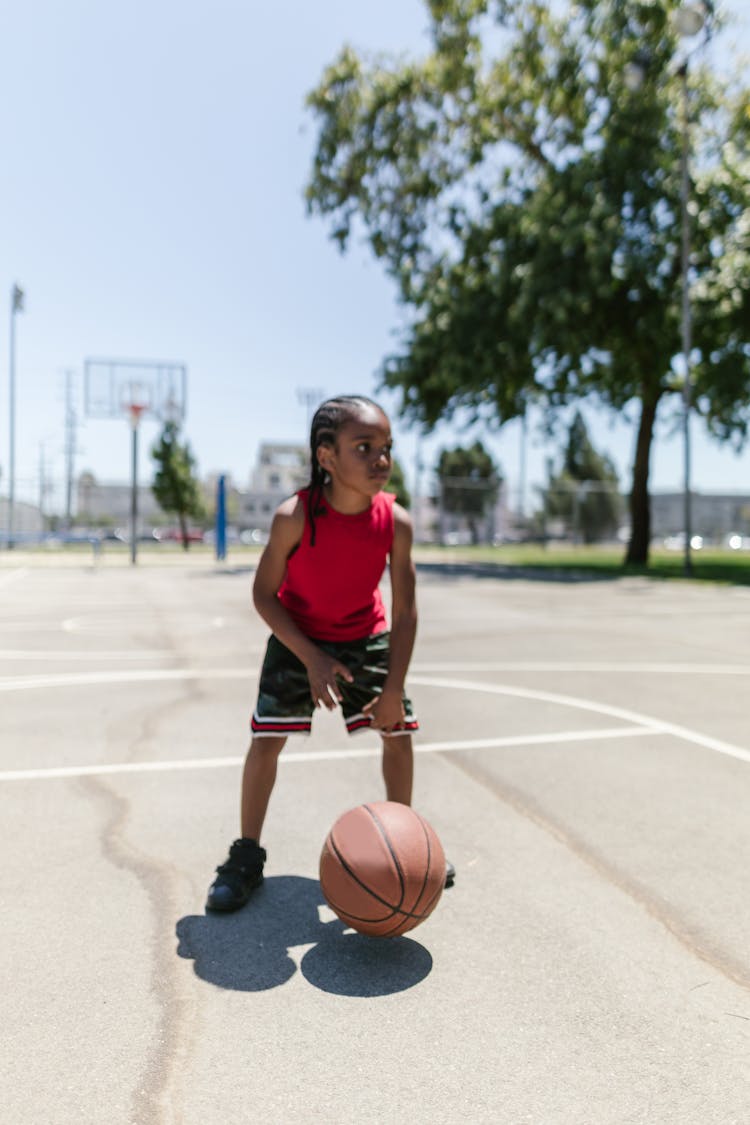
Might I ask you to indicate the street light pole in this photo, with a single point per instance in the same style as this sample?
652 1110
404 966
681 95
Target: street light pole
16 305
686 315
135 410
522 470
691 18
309 397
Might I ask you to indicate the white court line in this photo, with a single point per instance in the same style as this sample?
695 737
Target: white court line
136 676
88 679
589 705
94 624
91 655
13 575
588 666
303 756
176 674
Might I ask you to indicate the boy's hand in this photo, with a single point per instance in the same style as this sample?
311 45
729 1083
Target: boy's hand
386 710
322 671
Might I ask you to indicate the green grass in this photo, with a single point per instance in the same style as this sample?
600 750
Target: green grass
729 567
605 562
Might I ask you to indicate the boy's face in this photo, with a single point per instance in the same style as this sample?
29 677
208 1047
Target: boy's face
360 459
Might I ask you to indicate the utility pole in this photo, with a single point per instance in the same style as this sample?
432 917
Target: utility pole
522 470
17 297
690 19
416 500
686 318
42 486
310 397
71 423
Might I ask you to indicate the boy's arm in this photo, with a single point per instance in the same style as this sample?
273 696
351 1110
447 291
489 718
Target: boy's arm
286 531
403 602
387 710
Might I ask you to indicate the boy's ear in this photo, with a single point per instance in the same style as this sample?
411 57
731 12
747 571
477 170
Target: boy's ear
324 454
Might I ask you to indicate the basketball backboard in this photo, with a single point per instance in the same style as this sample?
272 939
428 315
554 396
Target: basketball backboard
116 388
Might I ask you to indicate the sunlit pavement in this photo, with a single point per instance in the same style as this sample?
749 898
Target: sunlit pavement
584 756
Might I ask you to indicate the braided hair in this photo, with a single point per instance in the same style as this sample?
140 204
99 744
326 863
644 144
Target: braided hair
327 421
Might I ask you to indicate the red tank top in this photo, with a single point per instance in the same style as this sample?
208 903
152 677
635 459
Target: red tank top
331 590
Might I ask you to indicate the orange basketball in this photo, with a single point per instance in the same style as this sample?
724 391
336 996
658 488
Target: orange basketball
382 868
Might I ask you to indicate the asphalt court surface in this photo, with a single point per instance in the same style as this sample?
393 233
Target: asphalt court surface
584 755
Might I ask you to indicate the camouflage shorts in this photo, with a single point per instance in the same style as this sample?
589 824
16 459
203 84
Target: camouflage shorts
285 705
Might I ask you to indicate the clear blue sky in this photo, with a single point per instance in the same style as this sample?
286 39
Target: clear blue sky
153 161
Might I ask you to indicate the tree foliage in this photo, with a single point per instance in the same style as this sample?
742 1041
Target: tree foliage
397 485
526 201
469 483
175 485
585 491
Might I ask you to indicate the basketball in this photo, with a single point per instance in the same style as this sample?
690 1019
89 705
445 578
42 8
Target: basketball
382 868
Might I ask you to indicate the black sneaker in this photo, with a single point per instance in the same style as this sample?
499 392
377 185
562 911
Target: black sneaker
450 874
238 877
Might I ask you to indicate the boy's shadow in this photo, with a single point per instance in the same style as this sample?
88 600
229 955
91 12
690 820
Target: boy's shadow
248 950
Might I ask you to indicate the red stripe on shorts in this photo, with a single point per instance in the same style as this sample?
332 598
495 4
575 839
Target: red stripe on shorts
279 726
364 723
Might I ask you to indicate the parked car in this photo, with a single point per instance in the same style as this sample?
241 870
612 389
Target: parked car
254 537
174 534
677 542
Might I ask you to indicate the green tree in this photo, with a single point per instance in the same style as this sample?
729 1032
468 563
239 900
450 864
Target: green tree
469 484
585 492
176 488
397 485
526 201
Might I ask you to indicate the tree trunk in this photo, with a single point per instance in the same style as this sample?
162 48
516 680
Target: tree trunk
640 504
184 531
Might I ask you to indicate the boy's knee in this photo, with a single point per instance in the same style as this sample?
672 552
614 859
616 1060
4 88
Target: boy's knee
266 747
397 743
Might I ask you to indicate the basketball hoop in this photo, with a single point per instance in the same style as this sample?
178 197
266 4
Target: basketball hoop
114 387
135 388
134 411
135 401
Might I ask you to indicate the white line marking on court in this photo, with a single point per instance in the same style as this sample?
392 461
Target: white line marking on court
302 756
586 666
104 624
589 705
110 622
176 674
535 739
136 676
88 679
91 655
13 575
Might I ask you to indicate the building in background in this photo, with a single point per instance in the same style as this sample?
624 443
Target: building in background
715 515
280 470
108 504
28 521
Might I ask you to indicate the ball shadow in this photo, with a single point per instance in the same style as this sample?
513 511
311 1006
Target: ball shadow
248 951
351 964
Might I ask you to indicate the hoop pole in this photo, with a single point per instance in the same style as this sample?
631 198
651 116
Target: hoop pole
221 518
134 495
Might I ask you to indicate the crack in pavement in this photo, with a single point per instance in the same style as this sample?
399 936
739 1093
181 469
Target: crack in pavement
691 937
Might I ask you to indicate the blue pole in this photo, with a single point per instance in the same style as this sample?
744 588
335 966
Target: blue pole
221 518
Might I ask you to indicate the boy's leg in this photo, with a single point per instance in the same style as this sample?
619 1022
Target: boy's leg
398 773
368 661
398 767
258 780
242 871
284 706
